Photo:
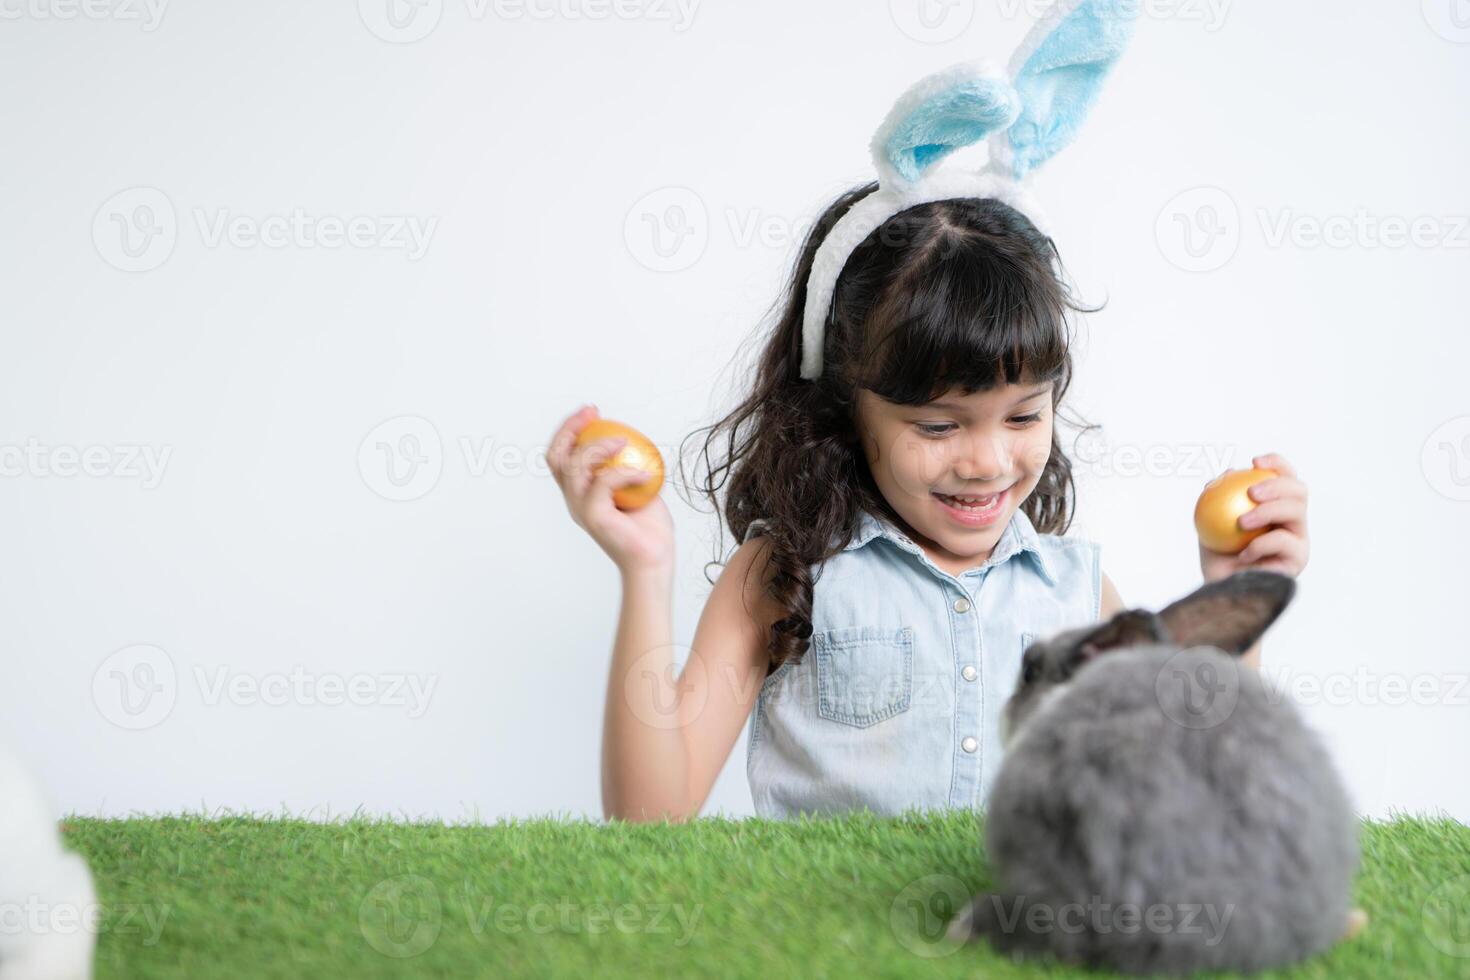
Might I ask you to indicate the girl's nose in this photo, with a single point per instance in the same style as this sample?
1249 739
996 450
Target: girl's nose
982 458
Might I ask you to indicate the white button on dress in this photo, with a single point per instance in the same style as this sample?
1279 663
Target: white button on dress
962 605
969 673
969 744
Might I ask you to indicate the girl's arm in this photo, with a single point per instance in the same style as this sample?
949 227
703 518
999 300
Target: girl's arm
1112 603
665 740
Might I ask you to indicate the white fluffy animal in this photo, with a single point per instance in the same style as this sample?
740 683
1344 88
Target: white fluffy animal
48 907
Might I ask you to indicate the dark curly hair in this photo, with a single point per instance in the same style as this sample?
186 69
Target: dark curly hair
963 293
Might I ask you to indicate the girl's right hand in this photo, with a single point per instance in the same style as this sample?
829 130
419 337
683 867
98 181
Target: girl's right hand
634 539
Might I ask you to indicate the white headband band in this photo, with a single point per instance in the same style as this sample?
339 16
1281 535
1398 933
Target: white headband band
1025 117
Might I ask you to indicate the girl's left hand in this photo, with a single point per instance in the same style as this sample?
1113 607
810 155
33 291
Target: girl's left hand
1281 504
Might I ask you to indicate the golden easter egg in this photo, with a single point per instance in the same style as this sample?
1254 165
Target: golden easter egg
1217 512
637 453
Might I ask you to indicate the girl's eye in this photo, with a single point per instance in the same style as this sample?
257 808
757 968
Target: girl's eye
943 429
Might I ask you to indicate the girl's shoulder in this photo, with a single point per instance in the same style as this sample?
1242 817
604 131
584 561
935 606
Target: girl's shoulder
1075 545
1072 564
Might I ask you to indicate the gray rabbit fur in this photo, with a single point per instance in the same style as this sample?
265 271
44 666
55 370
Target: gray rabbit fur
1146 767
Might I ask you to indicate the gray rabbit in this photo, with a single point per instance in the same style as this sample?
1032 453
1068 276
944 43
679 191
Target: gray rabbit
1158 810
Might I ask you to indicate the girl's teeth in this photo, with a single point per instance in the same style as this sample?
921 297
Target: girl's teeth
978 503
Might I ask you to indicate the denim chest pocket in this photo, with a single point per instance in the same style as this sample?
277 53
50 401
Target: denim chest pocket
865 674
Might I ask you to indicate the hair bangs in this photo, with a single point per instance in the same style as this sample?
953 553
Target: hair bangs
971 321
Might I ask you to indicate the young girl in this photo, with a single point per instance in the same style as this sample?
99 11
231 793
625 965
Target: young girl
901 496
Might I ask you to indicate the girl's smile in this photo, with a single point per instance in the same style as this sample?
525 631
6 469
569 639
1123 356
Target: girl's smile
973 511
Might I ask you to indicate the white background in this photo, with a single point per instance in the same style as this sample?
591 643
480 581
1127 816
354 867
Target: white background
543 149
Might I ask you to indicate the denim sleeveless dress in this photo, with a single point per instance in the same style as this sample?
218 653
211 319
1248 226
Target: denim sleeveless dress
896 703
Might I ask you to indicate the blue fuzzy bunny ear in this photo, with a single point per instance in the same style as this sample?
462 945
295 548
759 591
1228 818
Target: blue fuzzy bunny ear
938 114
1058 71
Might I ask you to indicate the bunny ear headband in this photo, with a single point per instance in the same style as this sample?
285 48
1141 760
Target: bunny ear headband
1054 79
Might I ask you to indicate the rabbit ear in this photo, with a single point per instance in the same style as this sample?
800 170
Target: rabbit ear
1058 71
937 115
1129 628
1230 614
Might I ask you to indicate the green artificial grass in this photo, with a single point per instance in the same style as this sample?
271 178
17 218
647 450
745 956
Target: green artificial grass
246 896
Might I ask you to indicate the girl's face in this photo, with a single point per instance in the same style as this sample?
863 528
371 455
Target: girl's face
992 445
